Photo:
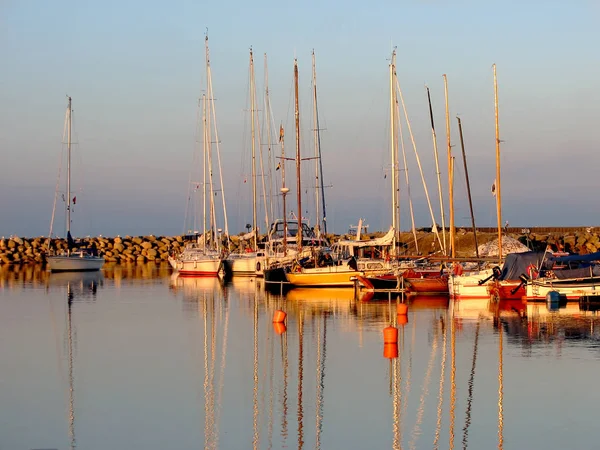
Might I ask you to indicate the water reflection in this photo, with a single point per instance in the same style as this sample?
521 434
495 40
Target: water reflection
318 381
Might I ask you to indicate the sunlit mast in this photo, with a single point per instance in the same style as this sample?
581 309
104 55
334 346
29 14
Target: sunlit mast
395 207
252 132
298 183
450 172
498 190
437 170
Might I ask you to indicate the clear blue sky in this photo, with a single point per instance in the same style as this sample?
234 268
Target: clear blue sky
134 70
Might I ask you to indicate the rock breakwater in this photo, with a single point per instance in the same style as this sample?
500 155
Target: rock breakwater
142 249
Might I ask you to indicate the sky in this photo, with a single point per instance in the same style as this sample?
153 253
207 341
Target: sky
136 70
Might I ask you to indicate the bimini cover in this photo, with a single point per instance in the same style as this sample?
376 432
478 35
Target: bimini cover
509 245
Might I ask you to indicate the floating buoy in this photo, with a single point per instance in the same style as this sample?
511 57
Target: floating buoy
279 316
390 351
390 335
279 328
402 319
402 308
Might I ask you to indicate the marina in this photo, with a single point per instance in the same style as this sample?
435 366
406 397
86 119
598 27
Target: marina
468 373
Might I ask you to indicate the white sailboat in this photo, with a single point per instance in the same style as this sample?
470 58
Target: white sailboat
243 263
73 260
203 256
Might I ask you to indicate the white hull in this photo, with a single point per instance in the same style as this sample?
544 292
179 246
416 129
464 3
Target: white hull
538 289
74 263
242 264
206 266
467 286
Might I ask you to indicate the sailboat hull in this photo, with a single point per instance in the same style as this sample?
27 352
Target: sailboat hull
208 267
75 263
243 264
326 276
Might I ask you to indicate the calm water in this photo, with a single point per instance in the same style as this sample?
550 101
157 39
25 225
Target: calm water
139 359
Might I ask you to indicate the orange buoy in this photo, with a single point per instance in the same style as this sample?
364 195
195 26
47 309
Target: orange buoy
390 335
279 316
402 319
402 308
279 328
390 351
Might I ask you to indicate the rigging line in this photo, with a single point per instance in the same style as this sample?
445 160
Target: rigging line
410 203
261 161
194 162
435 230
470 389
267 120
219 161
60 161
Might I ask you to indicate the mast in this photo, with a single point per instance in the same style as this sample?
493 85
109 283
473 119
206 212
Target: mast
269 155
69 125
462 145
318 159
437 170
284 189
205 131
450 175
298 184
393 150
252 112
498 196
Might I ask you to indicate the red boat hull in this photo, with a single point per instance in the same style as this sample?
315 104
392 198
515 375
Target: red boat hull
432 284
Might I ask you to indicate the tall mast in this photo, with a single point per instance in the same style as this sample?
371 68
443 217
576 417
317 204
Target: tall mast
437 170
298 184
498 196
462 145
450 167
319 161
252 112
69 124
269 156
393 150
205 131
284 189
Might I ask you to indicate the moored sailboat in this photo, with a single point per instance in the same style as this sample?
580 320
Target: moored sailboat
74 260
204 254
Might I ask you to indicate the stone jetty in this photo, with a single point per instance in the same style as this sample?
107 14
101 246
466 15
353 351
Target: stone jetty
142 249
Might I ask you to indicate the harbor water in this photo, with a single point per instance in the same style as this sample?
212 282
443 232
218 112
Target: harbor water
134 357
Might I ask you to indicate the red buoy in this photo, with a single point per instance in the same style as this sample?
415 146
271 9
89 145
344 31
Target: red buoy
279 316
390 351
402 319
279 328
402 308
390 335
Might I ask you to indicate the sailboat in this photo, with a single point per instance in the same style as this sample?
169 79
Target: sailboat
244 262
202 256
74 260
327 274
